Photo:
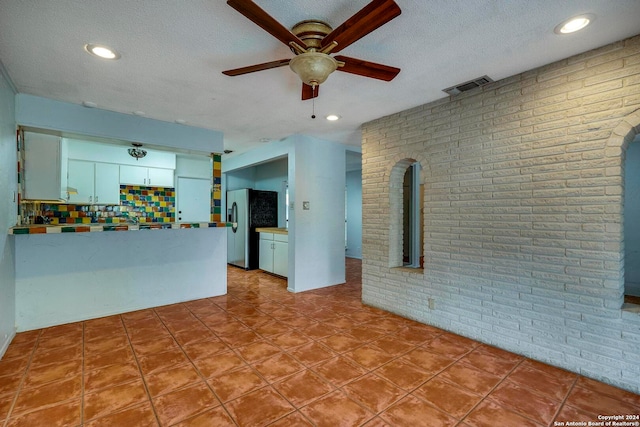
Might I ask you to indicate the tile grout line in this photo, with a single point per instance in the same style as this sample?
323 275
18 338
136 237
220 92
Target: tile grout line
305 367
24 377
492 389
200 374
410 392
566 397
135 357
82 376
285 351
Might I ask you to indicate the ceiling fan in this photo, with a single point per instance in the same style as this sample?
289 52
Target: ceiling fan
312 41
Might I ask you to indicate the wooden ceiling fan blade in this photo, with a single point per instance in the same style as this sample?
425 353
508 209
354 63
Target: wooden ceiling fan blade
372 16
309 92
257 67
265 21
367 69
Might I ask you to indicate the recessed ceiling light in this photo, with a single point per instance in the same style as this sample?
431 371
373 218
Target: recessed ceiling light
139 113
89 104
333 117
574 24
181 121
101 51
264 140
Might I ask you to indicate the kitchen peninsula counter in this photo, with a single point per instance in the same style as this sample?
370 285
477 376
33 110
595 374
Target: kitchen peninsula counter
274 230
70 273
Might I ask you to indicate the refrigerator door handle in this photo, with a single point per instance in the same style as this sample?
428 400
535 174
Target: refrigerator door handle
234 217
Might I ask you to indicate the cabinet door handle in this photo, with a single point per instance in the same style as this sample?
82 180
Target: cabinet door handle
149 181
90 199
96 199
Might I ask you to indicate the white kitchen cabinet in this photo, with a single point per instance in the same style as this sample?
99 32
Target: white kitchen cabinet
42 179
150 177
158 177
133 175
96 183
107 185
280 255
81 177
265 258
274 253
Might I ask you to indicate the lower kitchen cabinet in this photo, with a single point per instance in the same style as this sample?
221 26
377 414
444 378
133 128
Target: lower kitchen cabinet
274 253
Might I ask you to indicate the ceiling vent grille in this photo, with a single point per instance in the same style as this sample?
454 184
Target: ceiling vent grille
471 84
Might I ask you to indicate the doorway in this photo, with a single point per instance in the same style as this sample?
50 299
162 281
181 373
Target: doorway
193 200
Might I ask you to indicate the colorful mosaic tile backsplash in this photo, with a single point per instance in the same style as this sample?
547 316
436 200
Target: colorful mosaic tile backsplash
138 204
216 189
148 204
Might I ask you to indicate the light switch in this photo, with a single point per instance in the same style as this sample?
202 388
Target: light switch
305 206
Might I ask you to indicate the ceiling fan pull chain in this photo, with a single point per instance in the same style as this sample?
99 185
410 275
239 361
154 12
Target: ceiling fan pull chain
313 101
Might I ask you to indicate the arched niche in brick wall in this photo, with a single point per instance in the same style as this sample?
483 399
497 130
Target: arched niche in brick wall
626 138
396 175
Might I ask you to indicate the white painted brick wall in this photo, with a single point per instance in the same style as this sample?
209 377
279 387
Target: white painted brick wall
523 213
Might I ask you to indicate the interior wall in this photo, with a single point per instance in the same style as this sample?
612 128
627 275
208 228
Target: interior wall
523 183
193 166
8 211
44 113
243 178
632 219
317 233
354 214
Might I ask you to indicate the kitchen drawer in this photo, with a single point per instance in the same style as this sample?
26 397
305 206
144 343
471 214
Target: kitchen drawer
281 237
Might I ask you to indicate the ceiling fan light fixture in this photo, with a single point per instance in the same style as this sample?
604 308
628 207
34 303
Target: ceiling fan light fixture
313 68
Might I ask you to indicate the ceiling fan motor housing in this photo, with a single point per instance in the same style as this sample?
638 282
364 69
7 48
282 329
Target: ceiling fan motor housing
311 32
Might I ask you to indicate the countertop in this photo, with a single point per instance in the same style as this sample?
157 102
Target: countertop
97 227
274 230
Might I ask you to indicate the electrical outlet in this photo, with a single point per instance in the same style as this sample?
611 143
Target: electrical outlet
432 304
305 206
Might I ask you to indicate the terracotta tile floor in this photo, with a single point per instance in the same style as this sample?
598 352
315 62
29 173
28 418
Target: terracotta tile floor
262 356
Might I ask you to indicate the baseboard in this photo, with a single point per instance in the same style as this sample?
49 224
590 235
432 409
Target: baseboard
632 288
5 343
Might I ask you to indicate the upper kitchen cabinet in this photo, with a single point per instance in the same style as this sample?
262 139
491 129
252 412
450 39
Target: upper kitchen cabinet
150 177
155 169
94 182
43 178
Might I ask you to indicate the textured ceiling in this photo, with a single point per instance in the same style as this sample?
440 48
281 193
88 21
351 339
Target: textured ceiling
173 52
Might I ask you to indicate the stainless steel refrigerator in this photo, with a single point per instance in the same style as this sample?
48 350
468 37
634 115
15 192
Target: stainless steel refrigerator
248 209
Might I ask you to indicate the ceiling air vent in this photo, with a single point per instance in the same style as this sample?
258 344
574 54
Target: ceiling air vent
471 84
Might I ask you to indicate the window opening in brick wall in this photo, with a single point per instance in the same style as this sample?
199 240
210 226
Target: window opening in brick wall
412 218
631 223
